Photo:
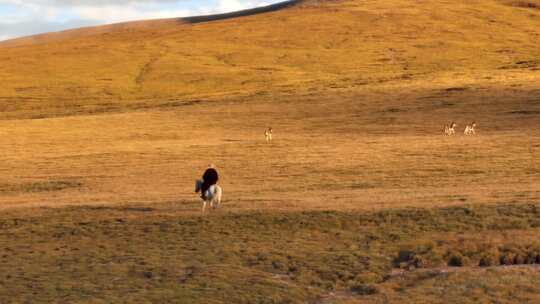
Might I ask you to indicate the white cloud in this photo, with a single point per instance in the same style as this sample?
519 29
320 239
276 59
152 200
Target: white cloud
117 13
5 37
231 5
128 12
26 17
237 5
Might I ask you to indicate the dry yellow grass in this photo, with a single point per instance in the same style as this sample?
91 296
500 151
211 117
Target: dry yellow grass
357 92
332 45
357 96
327 161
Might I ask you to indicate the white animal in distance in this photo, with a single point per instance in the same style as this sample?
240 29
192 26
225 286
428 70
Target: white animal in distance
268 134
469 129
450 129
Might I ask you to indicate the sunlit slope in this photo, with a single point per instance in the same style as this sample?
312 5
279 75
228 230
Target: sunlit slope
316 45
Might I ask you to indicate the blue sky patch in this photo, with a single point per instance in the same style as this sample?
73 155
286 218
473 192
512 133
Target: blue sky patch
21 18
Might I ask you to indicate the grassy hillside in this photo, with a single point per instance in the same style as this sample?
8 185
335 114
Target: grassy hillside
359 198
317 45
156 255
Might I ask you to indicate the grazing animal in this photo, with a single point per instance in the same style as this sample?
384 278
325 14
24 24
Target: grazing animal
268 134
450 129
212 196
469 129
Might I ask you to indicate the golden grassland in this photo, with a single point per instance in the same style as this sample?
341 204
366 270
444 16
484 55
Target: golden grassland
343 45
155 255
359 199
330 151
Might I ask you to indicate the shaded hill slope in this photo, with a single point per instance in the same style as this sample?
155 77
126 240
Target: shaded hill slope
318 45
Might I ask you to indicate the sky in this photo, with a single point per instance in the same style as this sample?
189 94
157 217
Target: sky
27 17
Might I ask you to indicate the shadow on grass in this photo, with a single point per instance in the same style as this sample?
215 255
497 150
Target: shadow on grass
247 257
243 13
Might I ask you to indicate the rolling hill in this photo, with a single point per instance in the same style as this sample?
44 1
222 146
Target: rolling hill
310 45
360 198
